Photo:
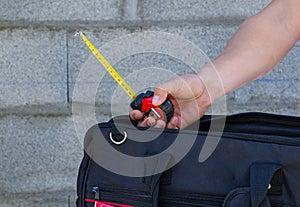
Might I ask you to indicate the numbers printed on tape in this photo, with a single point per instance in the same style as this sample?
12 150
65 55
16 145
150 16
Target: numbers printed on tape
109 67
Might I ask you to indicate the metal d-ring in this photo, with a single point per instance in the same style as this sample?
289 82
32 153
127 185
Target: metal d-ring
118 142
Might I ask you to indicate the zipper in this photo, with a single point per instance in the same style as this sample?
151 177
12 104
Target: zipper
116 197
190 200
129 198
96 191
98 203
181 200
122 197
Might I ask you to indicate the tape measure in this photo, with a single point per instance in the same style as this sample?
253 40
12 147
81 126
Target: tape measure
143 101
108 67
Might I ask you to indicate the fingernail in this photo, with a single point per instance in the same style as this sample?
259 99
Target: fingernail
134 115
150 122
155 100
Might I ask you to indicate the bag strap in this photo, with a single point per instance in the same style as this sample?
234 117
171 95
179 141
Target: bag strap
260 178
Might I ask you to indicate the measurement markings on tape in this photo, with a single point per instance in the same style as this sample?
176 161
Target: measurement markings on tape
108 67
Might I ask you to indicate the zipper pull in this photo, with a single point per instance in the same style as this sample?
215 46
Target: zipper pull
96 191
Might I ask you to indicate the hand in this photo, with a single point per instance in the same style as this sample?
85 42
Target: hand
189 97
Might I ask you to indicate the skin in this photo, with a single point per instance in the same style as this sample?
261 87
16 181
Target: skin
258 45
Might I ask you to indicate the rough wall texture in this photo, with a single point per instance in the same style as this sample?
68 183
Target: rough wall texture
41 60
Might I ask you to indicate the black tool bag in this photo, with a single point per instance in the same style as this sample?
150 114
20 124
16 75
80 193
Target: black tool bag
252 161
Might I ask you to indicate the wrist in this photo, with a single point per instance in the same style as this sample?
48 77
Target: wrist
213 84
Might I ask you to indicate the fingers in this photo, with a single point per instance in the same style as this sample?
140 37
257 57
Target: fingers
160 124
151 122
161 92
136 115
173 123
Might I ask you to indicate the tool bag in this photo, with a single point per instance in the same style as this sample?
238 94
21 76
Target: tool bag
251 161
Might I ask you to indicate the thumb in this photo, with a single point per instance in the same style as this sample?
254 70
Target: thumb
161 92
159 96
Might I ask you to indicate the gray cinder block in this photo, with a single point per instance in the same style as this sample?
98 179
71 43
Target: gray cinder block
38 153
56 10
179 10
33 67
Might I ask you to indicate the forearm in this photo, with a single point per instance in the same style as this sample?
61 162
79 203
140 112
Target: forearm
259 44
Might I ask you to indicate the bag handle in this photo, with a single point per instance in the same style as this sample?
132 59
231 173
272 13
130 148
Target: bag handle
260 178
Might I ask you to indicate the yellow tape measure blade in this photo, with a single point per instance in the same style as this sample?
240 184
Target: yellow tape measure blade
114 74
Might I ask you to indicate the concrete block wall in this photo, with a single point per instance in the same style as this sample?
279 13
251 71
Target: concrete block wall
41 60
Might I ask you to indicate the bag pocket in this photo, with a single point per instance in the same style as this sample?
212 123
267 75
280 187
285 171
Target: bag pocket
262 175
192 200
241 197
116 197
